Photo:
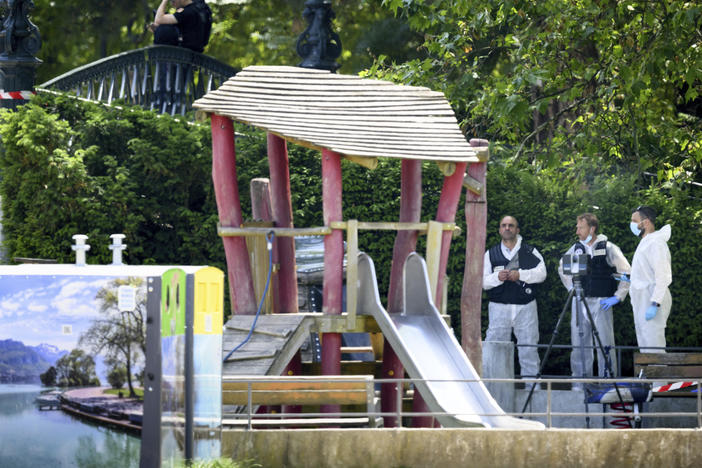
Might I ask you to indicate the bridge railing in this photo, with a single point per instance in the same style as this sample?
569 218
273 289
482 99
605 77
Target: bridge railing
163 78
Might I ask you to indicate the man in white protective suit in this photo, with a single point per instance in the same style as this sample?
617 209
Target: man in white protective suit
510 271
600 291
650 277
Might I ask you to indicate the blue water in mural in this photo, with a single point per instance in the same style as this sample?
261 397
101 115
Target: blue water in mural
33 438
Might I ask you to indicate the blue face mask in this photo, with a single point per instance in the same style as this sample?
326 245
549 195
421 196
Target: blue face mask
635 228
587 239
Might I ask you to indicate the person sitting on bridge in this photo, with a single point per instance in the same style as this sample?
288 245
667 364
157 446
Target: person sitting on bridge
193 20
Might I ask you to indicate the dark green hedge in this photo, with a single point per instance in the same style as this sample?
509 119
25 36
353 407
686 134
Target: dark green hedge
73 167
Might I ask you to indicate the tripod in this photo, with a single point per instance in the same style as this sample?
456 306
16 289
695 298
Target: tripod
577 293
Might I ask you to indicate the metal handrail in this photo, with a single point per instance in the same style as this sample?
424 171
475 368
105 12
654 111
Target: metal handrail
158 77
619 349
251 417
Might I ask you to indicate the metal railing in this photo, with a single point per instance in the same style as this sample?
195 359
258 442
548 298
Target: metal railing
618 349
249 418
163 78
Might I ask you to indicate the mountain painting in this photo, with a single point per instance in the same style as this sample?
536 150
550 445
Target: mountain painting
43 318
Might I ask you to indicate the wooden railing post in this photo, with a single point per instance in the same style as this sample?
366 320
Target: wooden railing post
472 291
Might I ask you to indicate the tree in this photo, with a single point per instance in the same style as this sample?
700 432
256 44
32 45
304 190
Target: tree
119 335
76 369
75 33
48 378
557 81
117 376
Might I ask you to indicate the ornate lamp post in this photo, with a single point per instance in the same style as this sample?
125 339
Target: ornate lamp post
318 45
19 41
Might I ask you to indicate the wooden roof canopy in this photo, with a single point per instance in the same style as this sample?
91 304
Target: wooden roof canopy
353 116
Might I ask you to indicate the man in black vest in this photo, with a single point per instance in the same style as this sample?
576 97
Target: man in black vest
601 292
510 271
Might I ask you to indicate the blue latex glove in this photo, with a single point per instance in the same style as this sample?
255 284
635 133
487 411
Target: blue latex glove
623 277
651 312
609 302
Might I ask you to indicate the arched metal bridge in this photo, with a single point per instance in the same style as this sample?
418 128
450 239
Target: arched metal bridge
163 78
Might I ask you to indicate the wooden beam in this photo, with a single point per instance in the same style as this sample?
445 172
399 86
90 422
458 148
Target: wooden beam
473 185
368 163
446 168
351 272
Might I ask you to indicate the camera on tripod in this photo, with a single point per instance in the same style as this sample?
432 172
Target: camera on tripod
575 264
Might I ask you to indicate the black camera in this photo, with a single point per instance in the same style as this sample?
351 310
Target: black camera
575 265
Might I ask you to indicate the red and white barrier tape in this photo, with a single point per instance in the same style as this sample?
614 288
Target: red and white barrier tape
673 386
24 95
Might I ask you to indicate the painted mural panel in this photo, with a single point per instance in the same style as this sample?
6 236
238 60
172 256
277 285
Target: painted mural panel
207 363
52 325
173 367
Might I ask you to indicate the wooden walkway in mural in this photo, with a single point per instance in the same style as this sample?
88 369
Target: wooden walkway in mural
350 115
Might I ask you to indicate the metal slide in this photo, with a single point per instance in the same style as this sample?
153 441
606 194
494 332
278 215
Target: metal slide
429 351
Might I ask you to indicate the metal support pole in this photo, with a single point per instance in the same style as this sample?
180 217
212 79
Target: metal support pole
19 41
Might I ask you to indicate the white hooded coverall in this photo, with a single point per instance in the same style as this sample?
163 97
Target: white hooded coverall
522 318
650 277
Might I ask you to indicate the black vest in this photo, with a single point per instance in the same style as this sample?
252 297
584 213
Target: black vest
598 282
511 292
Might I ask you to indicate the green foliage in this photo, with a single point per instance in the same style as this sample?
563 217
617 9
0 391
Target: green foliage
548 223
75 33
70 167
555 81
220 463
117 376
48 378
76 369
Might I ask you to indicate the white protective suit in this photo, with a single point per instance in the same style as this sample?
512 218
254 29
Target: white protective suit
522 318
650 277
604 320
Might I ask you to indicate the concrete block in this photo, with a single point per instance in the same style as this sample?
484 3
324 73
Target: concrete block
498 363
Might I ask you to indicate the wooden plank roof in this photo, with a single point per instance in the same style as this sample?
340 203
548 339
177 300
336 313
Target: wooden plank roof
347 114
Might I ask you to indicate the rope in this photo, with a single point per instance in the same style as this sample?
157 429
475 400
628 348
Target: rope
269 246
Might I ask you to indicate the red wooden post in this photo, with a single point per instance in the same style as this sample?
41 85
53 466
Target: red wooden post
226 188
472 291
333 263
446 213
285 281
405 243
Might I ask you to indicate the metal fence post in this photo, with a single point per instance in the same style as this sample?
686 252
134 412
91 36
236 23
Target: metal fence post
19 41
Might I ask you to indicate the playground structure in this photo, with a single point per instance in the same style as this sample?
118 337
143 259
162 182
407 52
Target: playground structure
359 120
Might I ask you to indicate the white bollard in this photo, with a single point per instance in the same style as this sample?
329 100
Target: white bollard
117 247
80 248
